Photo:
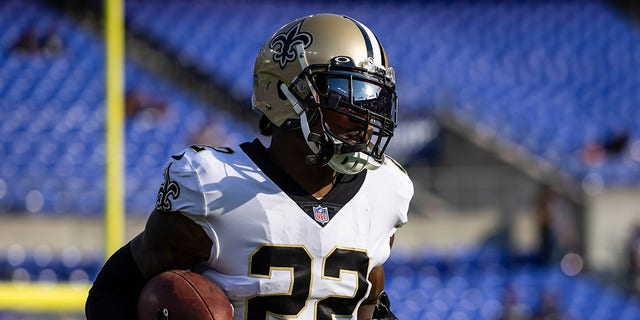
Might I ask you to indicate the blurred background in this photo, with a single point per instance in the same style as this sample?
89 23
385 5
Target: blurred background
519 123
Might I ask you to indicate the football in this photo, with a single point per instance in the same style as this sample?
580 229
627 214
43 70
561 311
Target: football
183 294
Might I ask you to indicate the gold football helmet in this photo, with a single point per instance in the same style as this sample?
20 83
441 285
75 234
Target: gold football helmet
324 66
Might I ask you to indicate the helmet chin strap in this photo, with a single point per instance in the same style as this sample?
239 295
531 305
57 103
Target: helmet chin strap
321 148
312 139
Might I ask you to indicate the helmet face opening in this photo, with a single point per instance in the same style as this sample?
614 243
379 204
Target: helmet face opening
359 108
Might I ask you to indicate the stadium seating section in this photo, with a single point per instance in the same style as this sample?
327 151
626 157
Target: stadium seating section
551 76
554 77
53 123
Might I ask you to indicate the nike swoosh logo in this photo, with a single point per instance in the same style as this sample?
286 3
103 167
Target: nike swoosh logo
178 156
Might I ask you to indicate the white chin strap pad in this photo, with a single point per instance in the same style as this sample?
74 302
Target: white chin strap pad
352 162
349 163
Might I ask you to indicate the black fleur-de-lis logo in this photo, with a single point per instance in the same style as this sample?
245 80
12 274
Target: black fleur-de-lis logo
284 44
167 188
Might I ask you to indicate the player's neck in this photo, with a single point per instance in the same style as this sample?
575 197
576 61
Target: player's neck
289 156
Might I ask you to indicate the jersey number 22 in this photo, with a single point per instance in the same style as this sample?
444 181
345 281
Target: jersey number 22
298 261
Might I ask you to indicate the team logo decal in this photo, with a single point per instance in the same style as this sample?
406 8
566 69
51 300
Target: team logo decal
167 188
321 214
284 44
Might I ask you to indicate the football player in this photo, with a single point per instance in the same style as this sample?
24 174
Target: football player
299 229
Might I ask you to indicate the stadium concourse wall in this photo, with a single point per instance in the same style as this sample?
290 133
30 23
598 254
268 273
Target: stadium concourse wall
611 213
605 214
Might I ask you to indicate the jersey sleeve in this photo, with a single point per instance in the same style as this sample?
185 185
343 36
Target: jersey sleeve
192 181
190 186
394 191
400 191
181 189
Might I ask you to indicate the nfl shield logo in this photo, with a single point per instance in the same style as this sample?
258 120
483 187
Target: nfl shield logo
321 214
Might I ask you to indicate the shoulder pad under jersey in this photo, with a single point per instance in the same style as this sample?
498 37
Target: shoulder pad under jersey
181 189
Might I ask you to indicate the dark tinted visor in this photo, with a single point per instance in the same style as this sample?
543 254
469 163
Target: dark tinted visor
364 94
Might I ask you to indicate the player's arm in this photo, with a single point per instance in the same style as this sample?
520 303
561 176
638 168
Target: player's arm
169 241
368 306
373 304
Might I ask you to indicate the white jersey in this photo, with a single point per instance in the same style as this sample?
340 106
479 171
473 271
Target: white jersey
281 254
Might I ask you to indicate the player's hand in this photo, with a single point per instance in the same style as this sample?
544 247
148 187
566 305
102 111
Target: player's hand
383 308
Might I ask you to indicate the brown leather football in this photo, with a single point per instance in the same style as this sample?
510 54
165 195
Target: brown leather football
183 294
